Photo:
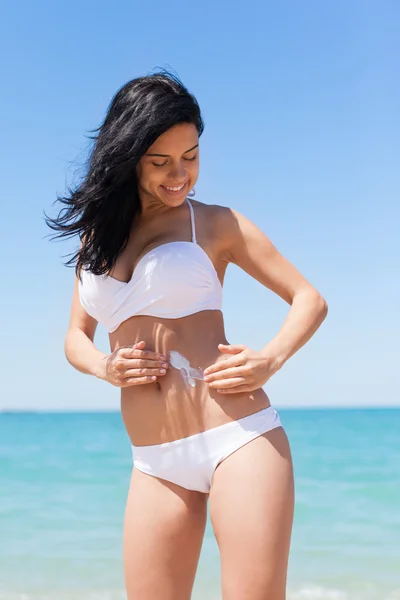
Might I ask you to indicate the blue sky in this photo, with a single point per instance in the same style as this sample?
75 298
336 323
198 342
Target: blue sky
300 102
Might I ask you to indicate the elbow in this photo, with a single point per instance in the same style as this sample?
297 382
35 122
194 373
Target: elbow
318 301
323 306
66 348
313 296
68 345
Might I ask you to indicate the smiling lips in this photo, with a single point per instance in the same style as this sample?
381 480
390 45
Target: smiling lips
174 190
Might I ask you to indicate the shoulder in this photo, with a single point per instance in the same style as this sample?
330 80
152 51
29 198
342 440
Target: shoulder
243 243
219 218
227 227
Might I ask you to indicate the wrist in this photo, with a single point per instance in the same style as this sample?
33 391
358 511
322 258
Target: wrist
275 353
99 369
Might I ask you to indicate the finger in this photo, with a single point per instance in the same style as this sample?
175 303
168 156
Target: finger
143 372
140 344
240 389
227 363
223 384
231 349
138 353
139 380
148 355
225 374
138 363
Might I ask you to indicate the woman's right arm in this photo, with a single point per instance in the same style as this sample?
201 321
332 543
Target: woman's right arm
132 365
79 348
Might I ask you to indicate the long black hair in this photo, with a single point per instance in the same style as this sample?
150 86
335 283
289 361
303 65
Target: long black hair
103 206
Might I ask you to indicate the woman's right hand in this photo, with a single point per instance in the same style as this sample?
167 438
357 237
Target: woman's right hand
133 365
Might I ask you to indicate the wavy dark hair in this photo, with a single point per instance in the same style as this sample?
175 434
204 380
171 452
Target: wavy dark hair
101 209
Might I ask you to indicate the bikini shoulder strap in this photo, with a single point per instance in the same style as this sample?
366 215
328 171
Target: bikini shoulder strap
192 221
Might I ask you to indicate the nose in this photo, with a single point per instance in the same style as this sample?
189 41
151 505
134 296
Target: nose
177 172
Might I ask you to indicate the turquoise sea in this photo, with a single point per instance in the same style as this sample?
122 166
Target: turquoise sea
64 480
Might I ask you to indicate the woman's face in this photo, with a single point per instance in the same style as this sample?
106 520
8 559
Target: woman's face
177 167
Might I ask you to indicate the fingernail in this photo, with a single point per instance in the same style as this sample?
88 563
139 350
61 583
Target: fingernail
165 365
163 357
162 371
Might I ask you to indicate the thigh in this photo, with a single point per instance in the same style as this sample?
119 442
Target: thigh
251 510
163 533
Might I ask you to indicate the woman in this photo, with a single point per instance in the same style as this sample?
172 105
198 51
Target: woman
150 268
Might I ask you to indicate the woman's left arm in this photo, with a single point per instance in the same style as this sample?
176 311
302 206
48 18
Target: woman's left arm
249 248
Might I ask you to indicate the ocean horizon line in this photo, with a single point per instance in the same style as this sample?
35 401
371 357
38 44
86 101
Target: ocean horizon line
307 407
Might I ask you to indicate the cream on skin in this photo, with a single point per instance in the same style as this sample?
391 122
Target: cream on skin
189 374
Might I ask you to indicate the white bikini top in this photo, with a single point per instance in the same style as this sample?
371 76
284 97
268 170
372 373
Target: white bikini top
173 280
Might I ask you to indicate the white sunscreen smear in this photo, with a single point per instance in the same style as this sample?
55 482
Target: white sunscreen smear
189 373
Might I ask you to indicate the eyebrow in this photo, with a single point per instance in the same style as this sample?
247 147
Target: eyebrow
167 155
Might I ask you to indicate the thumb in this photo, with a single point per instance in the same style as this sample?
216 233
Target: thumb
140 345
230 349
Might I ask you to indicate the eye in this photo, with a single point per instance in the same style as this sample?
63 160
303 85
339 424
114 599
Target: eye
164 163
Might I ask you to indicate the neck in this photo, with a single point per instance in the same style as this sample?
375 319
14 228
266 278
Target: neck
152 207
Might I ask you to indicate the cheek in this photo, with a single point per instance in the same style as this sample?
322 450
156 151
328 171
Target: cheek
194 172
192 168
147 177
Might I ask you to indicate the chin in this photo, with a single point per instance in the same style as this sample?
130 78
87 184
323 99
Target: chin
175 204
171 200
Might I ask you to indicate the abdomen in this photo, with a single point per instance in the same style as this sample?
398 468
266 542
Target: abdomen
174 407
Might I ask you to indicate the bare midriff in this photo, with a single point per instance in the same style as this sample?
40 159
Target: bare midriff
170 409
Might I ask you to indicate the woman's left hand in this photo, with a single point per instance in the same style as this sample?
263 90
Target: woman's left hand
244 371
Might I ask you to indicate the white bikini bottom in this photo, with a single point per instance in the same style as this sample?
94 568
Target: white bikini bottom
191 461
